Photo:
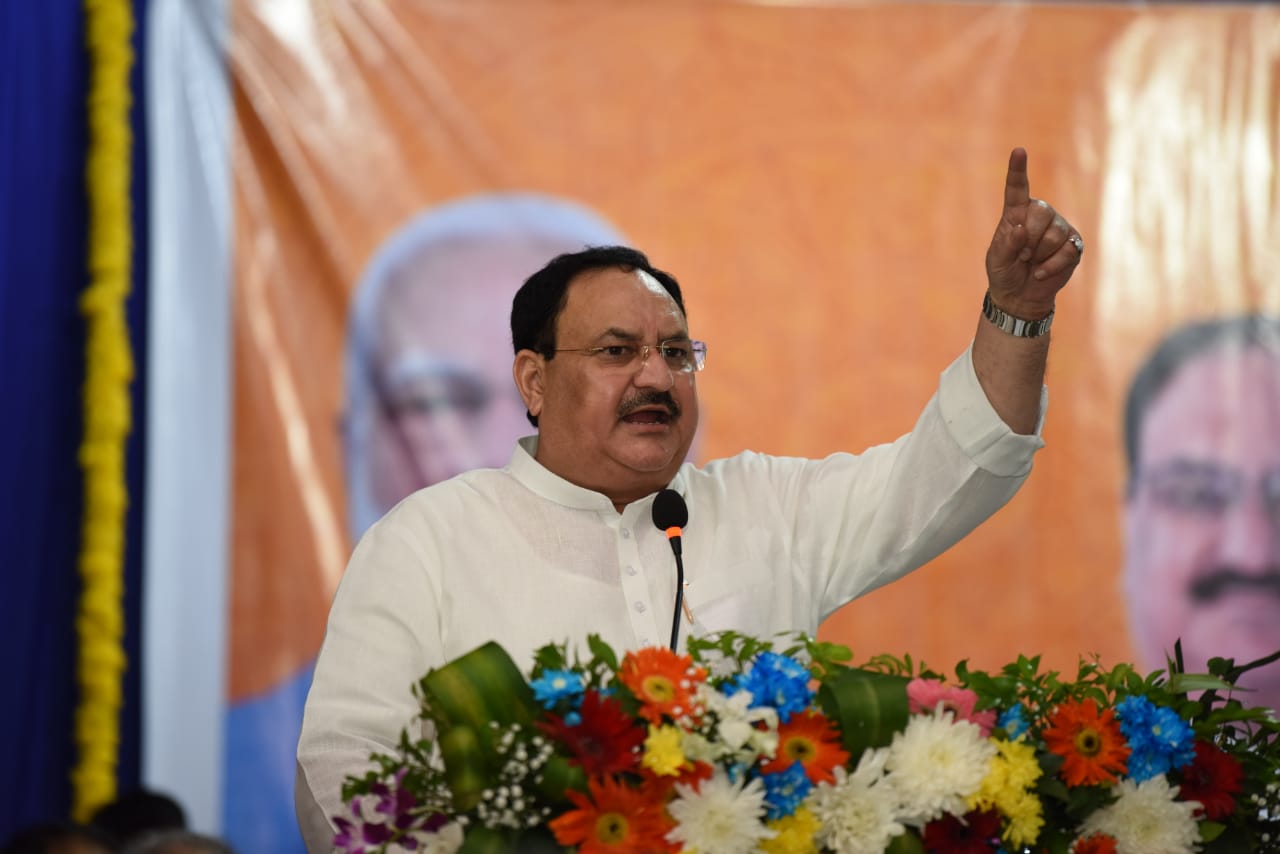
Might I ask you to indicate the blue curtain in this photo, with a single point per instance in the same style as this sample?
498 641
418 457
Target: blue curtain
43 209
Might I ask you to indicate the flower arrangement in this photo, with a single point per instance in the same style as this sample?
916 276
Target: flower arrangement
782 747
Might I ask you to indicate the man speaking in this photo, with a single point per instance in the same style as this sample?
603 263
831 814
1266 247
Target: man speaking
561 542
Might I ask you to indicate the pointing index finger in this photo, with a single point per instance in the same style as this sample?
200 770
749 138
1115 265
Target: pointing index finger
1017 189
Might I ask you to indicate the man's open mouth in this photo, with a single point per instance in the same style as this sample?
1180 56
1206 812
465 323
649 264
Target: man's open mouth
648 416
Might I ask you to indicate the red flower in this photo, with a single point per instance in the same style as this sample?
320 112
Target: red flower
606 741
691 774
614 819
1213 778
976 833
810 739
1090 742
1095 843
662 681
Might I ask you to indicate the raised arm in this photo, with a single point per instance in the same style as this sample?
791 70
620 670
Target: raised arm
1032 255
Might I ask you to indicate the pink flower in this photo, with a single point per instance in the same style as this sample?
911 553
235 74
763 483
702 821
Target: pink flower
925 695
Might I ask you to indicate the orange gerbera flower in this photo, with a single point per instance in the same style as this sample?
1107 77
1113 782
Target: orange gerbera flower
1096 843
662 681
1089 741
614 818
810 739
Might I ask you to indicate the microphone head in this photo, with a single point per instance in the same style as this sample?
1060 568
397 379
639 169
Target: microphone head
669 510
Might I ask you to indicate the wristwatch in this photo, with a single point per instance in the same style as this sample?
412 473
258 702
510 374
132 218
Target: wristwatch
1015 325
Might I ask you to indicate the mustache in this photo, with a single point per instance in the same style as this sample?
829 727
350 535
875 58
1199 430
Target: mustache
1219 582
649 398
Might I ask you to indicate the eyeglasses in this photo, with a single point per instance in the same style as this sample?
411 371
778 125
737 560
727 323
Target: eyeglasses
1208 489
680 354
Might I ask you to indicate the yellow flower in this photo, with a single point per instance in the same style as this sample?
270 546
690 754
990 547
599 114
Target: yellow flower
1026 817
794 834
1020 763
663 754
1013 771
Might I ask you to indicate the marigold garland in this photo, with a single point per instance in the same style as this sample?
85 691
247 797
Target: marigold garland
108 371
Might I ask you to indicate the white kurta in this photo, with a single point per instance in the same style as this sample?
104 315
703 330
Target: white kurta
520 556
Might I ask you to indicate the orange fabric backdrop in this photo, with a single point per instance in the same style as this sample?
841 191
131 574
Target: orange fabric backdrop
823 180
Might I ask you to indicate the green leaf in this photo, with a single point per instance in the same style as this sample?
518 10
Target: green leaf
484 840
539 841
558 776
466 765
905 843
549 657
1232 840
481 687
1211 830
602 652
1049 786
826 659
868 707
1181 683
467 698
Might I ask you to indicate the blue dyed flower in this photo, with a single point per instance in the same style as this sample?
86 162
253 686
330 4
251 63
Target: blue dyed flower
1159 740
556 685
785 790
1013 721
778 682
1145 764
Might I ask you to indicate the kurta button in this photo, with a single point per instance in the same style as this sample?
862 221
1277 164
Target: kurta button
640 607
626 533
631 570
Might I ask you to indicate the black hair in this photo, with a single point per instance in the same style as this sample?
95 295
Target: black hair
45 838
177 842
538 303
1183 345
138 812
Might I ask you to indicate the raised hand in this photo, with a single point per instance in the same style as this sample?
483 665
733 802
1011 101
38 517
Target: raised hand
1034 250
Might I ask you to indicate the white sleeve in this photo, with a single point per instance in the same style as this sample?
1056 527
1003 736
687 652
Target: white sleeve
862 520
383 634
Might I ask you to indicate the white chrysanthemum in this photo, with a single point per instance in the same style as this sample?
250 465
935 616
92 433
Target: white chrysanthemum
764 742
718 665
935 764
719 817
698 749
858 813
734 733
736 730
1146 818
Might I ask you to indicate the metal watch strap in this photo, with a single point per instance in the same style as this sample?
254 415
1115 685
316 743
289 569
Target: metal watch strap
1015 325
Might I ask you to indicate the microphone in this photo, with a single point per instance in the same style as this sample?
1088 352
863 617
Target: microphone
670 515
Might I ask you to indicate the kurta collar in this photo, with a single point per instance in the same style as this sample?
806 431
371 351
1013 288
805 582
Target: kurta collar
551 486
542 481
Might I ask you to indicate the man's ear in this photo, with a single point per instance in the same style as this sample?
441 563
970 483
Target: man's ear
529 371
